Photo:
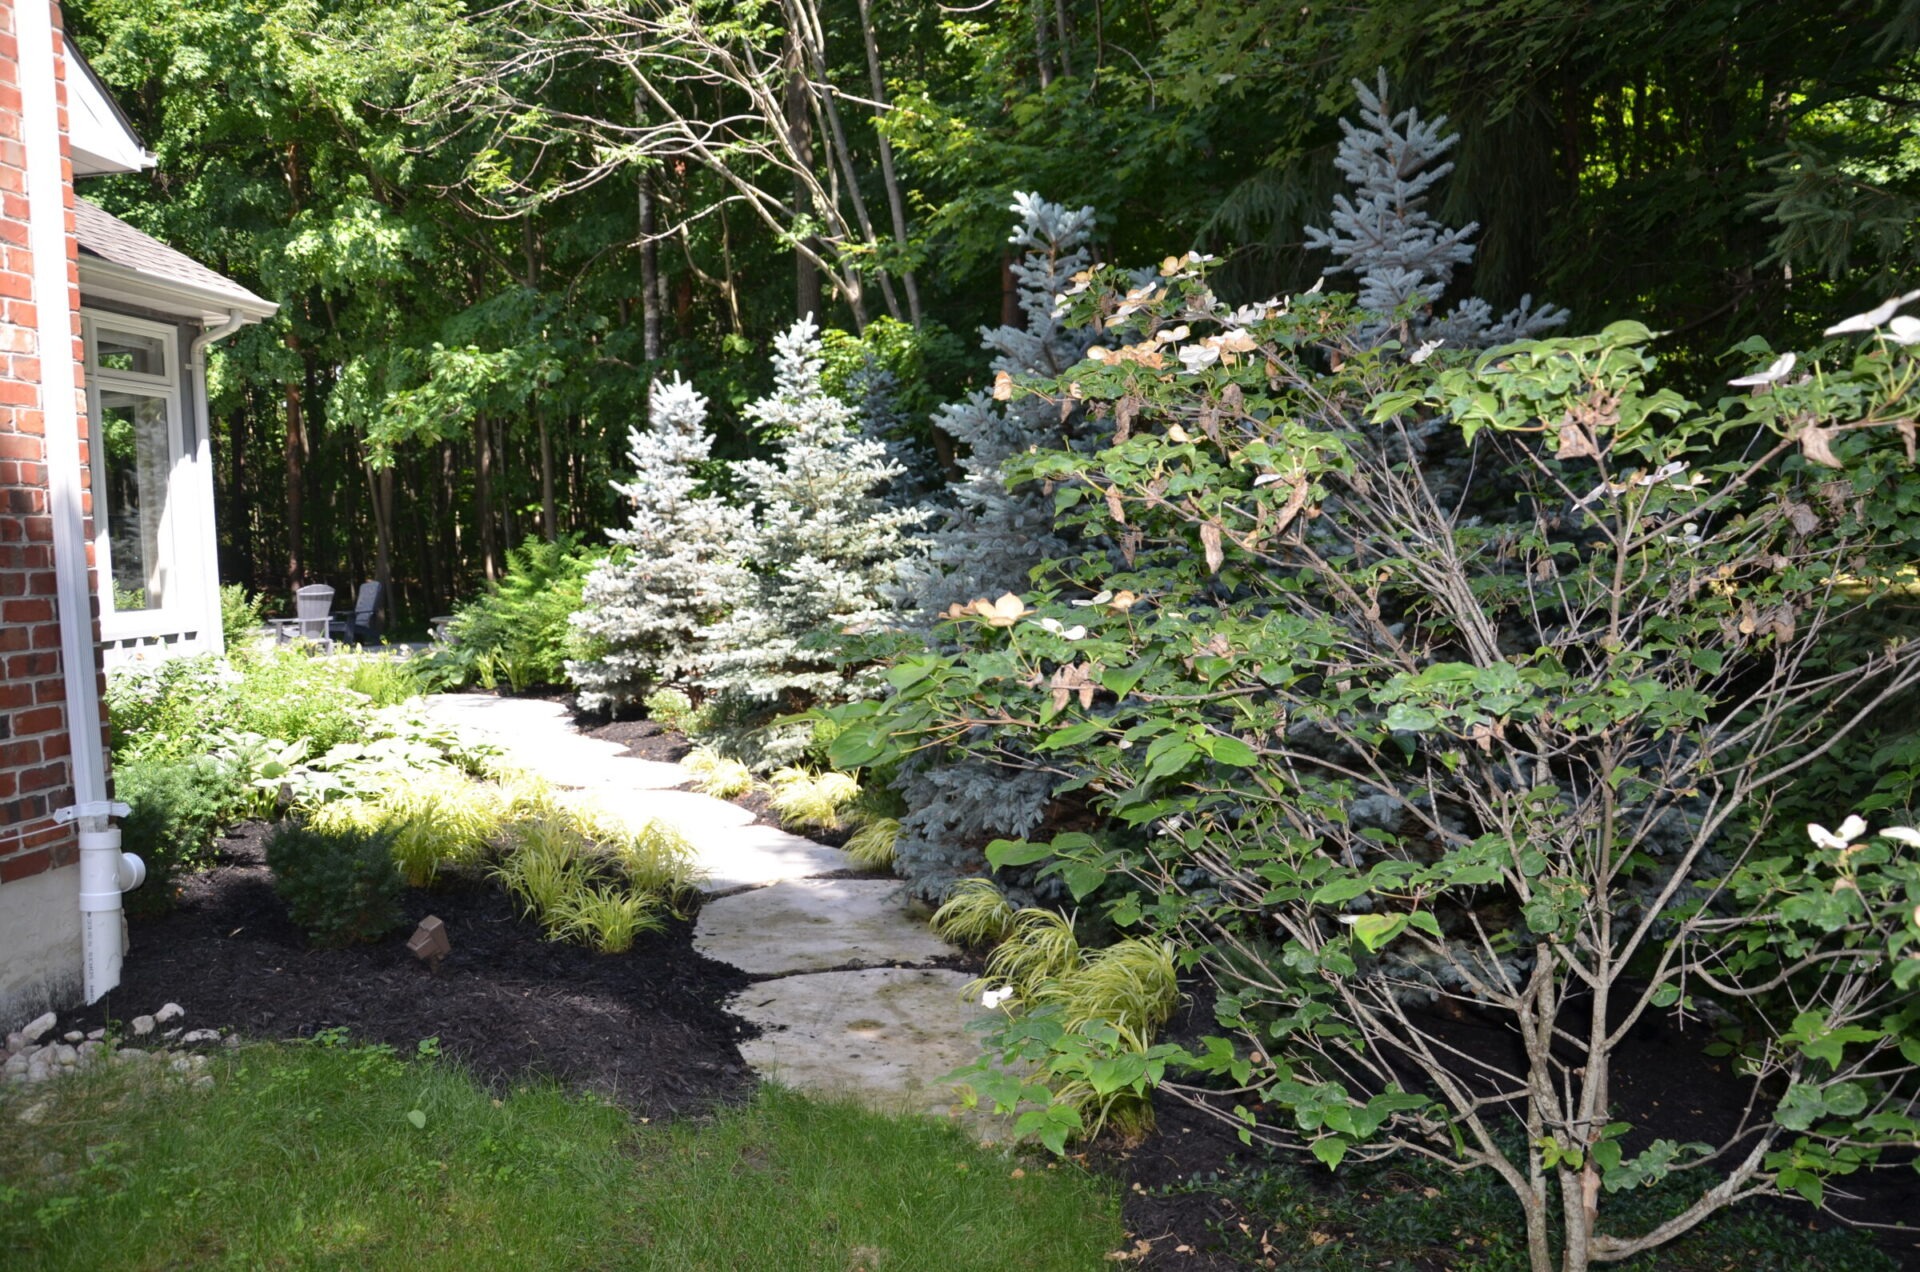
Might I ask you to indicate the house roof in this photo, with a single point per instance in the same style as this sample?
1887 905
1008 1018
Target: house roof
119 262
99 134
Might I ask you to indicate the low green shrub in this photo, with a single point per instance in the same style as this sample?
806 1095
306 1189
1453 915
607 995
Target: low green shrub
340 886
675 710
518 632
240 621
176 810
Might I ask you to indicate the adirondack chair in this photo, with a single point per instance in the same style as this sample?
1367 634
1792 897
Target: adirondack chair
312 616
361 624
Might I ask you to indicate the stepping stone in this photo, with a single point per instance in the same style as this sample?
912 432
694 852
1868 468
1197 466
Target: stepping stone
883 1036
810 925
730 849
540 738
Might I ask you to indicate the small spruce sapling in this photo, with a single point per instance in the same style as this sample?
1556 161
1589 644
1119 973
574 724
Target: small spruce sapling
642 613
1385 236
825 550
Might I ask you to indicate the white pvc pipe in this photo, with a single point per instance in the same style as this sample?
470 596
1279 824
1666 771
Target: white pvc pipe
101 860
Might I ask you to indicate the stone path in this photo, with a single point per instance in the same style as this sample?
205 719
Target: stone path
847 1000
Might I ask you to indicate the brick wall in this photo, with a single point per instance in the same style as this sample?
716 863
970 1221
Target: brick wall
35 777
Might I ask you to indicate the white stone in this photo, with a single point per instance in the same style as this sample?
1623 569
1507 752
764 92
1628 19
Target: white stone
810 925
16 1042
170 1012
38 1029
200 1035
95 1035
66 1055
202 1083
74 1035
884 1036
142 1026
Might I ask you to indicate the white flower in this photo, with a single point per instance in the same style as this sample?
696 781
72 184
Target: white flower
1267 479
1425 351
994 997
1903 834
1904 330
1871 320
1198 357
1850 830
1075 632
1101 599
1772 375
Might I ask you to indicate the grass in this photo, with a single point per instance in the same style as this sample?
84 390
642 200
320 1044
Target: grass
327 1156
874 843
603 917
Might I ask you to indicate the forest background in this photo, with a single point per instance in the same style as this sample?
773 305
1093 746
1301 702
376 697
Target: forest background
489 227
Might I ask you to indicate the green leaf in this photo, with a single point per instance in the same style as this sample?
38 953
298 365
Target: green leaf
1082 879
1016 852
418 1118
1406 716
1331 1150
1345 889
1375 930
1231 750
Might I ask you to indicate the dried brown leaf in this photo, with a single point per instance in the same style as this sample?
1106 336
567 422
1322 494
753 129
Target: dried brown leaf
1210 542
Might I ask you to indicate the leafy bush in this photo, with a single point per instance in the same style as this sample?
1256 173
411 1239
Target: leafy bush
240 621
176 810
519 630
672 709
172 708
1477 678
545 861
341 886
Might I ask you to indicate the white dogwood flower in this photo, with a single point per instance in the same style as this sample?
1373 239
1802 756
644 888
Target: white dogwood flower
994 997
1772 375
1850 830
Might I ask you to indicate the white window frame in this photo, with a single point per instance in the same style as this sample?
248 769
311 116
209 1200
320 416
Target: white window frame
164 618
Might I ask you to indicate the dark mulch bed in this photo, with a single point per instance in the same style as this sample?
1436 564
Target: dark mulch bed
645 1028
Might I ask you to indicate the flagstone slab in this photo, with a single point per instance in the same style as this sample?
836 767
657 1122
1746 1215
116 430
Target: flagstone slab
730 849
883 1036
812 925
539 737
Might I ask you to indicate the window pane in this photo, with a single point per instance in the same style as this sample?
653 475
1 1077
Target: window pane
133 435
127 351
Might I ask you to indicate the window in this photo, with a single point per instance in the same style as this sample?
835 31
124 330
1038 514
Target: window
133 400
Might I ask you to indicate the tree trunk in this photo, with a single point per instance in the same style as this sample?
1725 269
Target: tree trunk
1009 293
296 448
549 515
239 516
888 177
380 486
806 276
483 497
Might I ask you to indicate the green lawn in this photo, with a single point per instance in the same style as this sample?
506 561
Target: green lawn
343 1157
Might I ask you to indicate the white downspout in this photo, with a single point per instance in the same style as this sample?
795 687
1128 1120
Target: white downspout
203 462
104 869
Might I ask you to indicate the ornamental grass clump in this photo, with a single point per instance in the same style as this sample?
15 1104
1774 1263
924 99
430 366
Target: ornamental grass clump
806 800
720 776
975 914
602 916
437 821
873 844
546 860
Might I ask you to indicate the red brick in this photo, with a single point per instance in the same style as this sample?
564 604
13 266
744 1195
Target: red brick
46 777
39 720
25 865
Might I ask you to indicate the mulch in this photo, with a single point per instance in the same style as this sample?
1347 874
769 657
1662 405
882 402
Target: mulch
646 1028
649 1028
